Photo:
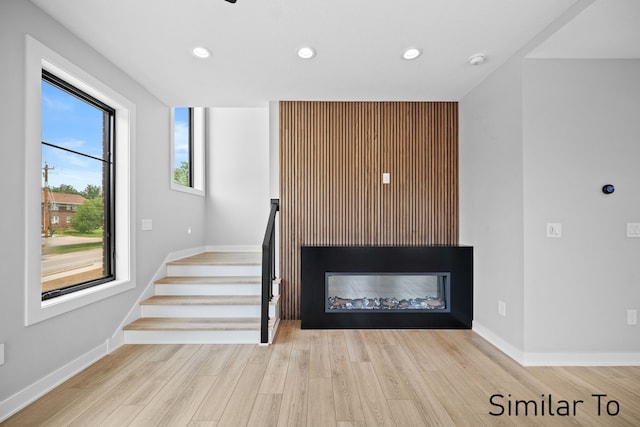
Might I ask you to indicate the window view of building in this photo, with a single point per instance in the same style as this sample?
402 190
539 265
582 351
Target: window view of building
77 189
64 205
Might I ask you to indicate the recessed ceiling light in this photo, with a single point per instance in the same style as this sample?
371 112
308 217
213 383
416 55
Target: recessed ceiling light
411 53
477 59
306 52
201 52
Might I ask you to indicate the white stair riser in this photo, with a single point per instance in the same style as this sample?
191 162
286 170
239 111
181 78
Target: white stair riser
191 337
272 311
274 329
208 289
200 311
214 270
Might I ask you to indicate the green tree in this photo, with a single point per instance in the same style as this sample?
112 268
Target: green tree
89 216
92 192
65 188
181 174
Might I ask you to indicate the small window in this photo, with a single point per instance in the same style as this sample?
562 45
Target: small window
183 146
77 142
187 156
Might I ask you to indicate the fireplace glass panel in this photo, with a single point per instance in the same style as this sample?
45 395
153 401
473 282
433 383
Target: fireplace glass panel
387 291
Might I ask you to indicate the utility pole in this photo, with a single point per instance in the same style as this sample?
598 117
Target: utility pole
46 214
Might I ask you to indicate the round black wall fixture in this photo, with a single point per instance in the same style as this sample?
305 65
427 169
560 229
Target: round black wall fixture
608 189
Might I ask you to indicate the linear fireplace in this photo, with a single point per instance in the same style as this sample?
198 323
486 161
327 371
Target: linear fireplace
387 291
387 287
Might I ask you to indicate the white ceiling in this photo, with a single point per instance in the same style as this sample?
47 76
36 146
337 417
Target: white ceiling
359 44
606 29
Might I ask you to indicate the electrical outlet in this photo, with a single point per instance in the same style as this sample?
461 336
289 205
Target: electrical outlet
502 308
632 317
1 354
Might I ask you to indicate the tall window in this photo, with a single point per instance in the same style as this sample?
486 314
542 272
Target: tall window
78 134
183 146
187 155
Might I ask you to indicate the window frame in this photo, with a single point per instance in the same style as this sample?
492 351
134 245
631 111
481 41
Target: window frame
39 57
109 189
197 142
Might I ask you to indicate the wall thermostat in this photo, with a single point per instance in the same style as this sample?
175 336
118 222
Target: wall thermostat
608 189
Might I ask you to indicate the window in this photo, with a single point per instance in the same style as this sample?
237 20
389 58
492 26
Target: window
183 146
77 143
105 181
187 155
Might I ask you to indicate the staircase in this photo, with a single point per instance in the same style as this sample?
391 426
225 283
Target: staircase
209 298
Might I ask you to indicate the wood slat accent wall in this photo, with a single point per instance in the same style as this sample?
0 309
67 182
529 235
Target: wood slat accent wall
332 157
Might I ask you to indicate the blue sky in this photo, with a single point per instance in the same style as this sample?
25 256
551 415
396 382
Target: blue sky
73 124
181 135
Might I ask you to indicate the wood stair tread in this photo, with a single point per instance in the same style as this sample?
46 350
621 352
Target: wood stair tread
221 258
203 300
194 324
205 280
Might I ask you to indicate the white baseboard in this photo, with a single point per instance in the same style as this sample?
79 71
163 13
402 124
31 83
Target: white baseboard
30 394
502 345
556 359
184 253
581 359
234 248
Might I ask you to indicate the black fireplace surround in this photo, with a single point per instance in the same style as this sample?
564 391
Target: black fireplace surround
318 262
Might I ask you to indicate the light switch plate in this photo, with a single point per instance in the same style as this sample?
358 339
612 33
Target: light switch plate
1 354
147 224
633 229
554 230
386 178
502 308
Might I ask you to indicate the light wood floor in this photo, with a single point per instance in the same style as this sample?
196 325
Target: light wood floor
337 377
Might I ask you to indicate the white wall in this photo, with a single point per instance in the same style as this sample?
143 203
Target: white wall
581 131
491 210
274 149
35 352
538 140
238 199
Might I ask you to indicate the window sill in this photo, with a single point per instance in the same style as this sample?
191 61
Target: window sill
65 303
185 189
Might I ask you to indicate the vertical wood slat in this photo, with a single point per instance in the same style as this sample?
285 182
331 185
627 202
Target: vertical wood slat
332 156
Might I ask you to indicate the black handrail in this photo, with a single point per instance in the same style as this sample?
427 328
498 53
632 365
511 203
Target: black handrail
268 270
